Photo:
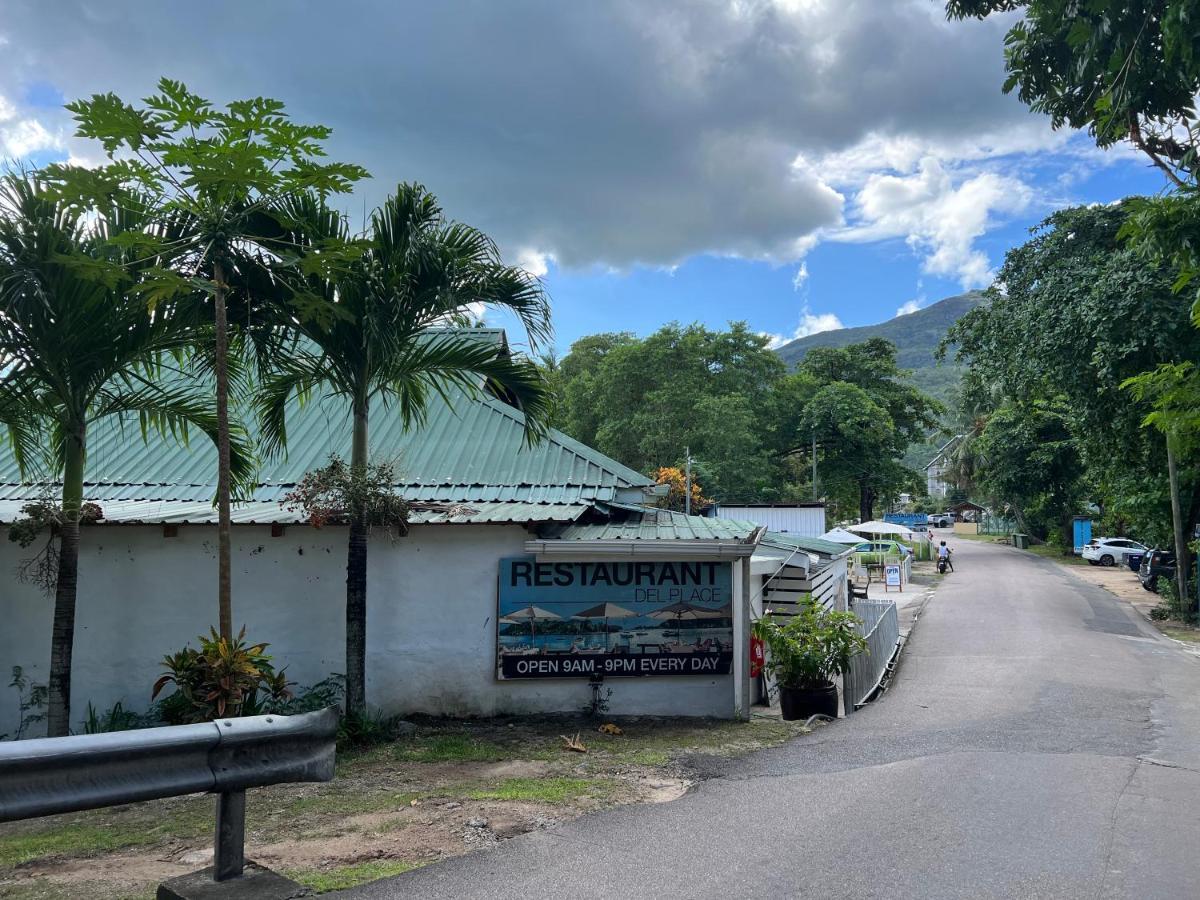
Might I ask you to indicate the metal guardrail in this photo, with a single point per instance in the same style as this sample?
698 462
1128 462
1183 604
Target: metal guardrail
881 627
46 776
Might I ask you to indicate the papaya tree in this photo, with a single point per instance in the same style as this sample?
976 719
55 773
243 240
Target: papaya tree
222 173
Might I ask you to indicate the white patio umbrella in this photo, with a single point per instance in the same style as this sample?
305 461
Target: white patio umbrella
841 536
529 614
879 527
606 611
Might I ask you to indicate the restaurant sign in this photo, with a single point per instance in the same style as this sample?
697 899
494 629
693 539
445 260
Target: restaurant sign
628 618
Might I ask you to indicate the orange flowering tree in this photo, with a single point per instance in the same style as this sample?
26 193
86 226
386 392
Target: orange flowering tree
675 477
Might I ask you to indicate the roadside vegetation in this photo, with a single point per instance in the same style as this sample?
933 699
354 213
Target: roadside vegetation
1083 385
451 787
750 424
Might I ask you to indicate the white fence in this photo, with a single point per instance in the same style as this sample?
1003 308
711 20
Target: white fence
881 627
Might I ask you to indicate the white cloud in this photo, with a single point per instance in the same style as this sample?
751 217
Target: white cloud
810 323
939 213
7 110
534 262
910 307
26 136
606 134
801 277
813 323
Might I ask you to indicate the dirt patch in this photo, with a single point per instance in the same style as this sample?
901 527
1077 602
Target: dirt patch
452 788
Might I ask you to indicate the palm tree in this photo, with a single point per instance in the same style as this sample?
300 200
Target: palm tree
79 344
386 339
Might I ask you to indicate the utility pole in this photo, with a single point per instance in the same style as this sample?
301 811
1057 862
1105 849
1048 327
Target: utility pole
814 460
687 480
1181 547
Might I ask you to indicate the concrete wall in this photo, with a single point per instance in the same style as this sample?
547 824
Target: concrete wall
431 620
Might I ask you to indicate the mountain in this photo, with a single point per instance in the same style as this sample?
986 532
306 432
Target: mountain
915 335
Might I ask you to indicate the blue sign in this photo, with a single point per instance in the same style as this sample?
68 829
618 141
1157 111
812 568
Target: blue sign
627 618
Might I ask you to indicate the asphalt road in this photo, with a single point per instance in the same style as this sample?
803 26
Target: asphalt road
1039 741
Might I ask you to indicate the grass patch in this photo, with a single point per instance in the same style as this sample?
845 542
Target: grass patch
453 748
1056 553
647 757
333 803
350 876
104 831
1180 632
541 790
69 840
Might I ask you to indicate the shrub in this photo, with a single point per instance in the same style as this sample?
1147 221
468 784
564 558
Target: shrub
222 678
118 718
811 647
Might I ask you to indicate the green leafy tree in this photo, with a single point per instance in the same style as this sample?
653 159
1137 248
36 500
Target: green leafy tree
1125 72
1033 465
218 176
80 346
863 417
1081 312
859 445
399 337
646 401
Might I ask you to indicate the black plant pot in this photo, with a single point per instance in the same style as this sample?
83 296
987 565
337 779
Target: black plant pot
800 703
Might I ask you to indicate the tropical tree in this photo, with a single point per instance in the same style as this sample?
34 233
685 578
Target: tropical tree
1126 72
862 417
399 337
222 173
78 344
1061 328
645 401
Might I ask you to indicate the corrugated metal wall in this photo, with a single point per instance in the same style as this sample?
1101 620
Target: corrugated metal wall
805 521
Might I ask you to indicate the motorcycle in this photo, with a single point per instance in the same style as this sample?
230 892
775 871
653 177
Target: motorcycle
943 564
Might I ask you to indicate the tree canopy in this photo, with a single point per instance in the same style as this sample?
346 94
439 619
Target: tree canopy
748 423
1079 313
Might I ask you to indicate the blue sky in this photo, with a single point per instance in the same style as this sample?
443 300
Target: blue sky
797 164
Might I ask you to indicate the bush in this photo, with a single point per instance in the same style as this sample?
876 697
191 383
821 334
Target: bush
118 718
355 732
222 678
1174 608
811 647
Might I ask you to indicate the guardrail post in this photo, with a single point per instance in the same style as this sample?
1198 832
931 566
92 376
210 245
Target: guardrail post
229 854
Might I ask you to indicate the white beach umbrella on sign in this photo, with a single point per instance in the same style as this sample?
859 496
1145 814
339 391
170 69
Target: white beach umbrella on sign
606 611
529 614
680 611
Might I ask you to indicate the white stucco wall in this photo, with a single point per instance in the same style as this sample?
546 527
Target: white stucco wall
431 620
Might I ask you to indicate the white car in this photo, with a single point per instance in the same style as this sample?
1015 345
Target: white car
1110 551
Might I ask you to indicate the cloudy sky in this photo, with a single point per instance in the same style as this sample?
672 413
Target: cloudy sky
799 164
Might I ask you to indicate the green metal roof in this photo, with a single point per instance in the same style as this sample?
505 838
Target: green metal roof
649 524
782 541
468 449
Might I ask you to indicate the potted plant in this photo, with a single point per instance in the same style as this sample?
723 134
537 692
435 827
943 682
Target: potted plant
806 652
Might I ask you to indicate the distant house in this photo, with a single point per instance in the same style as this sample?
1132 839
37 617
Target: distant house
937 469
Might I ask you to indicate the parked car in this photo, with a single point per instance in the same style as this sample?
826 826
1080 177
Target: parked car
874 552
1156 564
942 520
1110 551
